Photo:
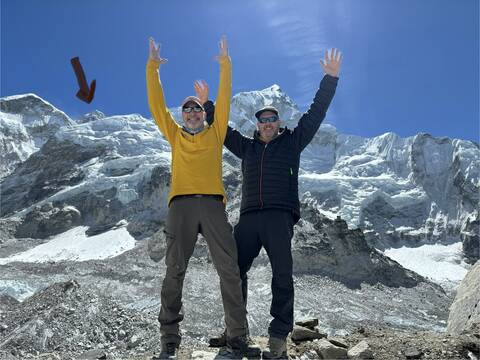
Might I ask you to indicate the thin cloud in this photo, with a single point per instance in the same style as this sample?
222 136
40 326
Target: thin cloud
302 37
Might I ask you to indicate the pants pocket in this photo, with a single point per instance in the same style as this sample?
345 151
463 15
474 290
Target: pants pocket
171 256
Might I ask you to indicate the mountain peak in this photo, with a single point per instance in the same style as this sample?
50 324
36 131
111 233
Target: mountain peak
92 116
274 87
34 110
245 104
25 103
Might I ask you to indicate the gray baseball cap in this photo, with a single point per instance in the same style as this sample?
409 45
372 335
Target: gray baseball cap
266 108
193 99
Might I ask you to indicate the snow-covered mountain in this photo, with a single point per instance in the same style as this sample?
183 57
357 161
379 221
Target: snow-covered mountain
398 191
85 199
26 122
413 190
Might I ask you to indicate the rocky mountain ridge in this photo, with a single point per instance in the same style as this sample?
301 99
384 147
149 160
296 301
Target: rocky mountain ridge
398 191
109 173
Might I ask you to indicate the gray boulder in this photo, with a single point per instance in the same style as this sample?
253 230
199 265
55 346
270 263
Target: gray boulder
46 221
157 246
412 353
327 350
308 323
464 314
360 351
301 333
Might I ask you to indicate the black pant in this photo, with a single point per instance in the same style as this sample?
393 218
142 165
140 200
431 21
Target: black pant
272 229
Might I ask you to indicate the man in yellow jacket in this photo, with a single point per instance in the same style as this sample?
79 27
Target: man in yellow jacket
197 205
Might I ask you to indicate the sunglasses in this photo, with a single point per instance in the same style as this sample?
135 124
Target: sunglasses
269 119
189 109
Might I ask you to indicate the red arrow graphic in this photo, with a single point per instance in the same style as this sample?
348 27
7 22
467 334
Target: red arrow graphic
85 93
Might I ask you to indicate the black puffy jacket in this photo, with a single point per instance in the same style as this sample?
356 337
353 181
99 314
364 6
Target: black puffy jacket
270 171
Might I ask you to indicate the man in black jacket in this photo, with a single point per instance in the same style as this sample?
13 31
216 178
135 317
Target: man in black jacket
270 206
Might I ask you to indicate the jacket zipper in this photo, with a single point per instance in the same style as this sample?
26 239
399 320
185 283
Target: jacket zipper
261 175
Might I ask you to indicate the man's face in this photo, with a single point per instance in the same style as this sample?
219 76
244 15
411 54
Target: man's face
268 130
193 119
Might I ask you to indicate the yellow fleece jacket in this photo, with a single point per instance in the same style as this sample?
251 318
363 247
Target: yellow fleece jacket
196 159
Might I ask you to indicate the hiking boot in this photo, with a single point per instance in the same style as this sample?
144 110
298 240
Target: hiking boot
219 341
242 346
169 351
277 349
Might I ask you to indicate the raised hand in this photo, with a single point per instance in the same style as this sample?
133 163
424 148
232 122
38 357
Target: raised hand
154 53
332 62
223 49
201 89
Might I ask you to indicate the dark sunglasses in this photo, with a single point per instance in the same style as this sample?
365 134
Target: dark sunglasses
189 109
269 119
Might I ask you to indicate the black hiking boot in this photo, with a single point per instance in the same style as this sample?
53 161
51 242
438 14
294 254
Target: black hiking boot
169 351
219 341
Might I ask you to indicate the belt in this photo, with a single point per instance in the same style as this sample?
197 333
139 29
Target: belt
192 196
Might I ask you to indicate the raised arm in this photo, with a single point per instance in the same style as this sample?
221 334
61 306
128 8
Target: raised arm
310 121
222 107
156 99
234 140
201 89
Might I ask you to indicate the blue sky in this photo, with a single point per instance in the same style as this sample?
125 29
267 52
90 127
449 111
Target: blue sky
409 65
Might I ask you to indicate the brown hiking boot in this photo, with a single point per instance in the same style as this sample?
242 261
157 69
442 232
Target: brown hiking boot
221 340
277 349
242 346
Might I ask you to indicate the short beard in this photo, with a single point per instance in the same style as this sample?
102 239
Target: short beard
194 131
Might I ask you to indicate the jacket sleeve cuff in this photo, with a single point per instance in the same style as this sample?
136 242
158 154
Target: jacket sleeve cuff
153 64
328 82
208 105
331 79
225 60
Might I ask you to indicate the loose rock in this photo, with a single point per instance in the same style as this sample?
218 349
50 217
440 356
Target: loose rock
413 353
301 333
360 351
308 323
329 351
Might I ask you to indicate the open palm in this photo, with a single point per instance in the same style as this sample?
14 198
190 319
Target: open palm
154 53
332 62
223 49
201 89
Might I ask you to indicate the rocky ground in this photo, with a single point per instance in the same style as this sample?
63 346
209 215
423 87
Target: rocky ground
65 321
107 309
115 170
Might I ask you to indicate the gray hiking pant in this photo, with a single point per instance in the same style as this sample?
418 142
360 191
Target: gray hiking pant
187 217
